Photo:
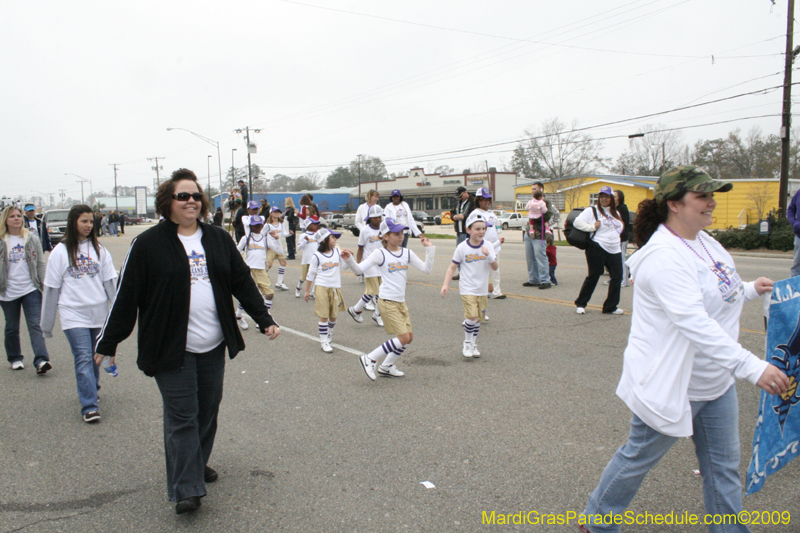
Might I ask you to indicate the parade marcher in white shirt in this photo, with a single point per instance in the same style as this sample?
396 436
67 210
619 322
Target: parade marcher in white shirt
254 247
392 261
369 240
80 283
307 244
275 230
683 352
399 211
483 205
22 272
476 257
603 251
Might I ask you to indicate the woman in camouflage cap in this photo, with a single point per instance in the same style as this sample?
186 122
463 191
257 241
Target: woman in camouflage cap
683 351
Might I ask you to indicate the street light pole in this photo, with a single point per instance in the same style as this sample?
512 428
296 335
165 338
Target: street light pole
251 148
213 143
209 181
83 180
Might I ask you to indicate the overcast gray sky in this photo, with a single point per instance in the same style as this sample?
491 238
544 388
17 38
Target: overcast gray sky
90 83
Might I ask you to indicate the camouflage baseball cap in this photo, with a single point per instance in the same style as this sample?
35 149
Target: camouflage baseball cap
687 178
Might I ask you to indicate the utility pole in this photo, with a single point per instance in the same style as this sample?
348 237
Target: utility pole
251 149
359 178
786 124
116 195
157 167
63 196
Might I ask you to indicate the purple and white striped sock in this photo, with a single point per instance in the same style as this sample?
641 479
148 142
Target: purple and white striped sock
470 330
397 349
331 325
361 303
475 331
281 272
323 331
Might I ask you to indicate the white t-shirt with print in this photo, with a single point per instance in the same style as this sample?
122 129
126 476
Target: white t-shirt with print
308 244
82 302
256 253
475 269
204 332
393 269
19 282
326 269
370 240
272 243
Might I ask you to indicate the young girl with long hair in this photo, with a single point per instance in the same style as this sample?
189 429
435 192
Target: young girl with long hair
81 284
254 248
325 270
22 271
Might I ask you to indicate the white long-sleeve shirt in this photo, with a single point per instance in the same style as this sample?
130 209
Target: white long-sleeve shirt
393 268
493 228
272 242
402 214
607 235
683 345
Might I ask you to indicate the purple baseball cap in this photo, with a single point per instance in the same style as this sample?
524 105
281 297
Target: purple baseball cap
396 192
606 190
390 225
252 204
483 192
256 220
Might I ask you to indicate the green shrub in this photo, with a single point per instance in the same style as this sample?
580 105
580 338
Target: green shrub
781 236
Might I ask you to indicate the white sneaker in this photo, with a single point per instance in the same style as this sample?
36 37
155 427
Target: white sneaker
297 293
378 320
356 316
466 349
326 347
607 282
17 365
281 286
475 352
617 311
390 372
370 306
242 322
580 310
312 296
368 366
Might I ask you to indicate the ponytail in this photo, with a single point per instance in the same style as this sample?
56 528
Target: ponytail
649 216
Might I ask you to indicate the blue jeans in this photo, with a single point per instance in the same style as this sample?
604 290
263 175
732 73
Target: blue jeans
191 396
536 257
31 303
87 373
796 266
716 442
553 279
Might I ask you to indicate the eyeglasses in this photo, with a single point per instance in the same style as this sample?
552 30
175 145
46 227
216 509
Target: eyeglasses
184 196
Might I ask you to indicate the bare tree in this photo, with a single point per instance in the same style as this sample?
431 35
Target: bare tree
651 152
556 151
761 196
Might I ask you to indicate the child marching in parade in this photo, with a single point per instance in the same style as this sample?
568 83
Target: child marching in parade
369 240
254 246
275 231
325 270
308 245
392 263
477 258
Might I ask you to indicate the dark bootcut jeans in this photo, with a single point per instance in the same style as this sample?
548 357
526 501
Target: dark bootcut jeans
191 396
291 247
598 259
31 304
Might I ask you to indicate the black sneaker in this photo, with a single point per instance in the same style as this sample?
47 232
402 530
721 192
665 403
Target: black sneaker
43 367
91 417
544 286
210 475
189 505
529 284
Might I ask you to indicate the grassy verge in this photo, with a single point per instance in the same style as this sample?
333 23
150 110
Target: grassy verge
439 236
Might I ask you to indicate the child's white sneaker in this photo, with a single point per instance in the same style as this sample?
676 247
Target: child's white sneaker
475 352
326 347
390 372
466 349
281 286
242 322
356 316
378 320
297 293
368 366
369 306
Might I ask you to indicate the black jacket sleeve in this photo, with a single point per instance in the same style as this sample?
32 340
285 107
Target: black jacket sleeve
122 317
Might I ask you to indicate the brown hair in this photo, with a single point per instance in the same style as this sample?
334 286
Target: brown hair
71 238
649 216
167 189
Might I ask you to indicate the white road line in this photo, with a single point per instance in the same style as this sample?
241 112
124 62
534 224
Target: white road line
316 339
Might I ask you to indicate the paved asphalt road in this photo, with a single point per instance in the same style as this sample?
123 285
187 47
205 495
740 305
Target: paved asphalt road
307 443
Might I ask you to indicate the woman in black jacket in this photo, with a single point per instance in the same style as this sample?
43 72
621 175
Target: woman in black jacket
179 278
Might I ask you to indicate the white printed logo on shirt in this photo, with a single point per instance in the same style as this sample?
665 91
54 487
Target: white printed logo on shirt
198 267
84 266
16 254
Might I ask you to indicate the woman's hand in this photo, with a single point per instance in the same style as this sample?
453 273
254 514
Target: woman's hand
763 285
773 380
272 332
98 359
597 224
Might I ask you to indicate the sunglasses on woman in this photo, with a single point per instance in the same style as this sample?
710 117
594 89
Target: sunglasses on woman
184 196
